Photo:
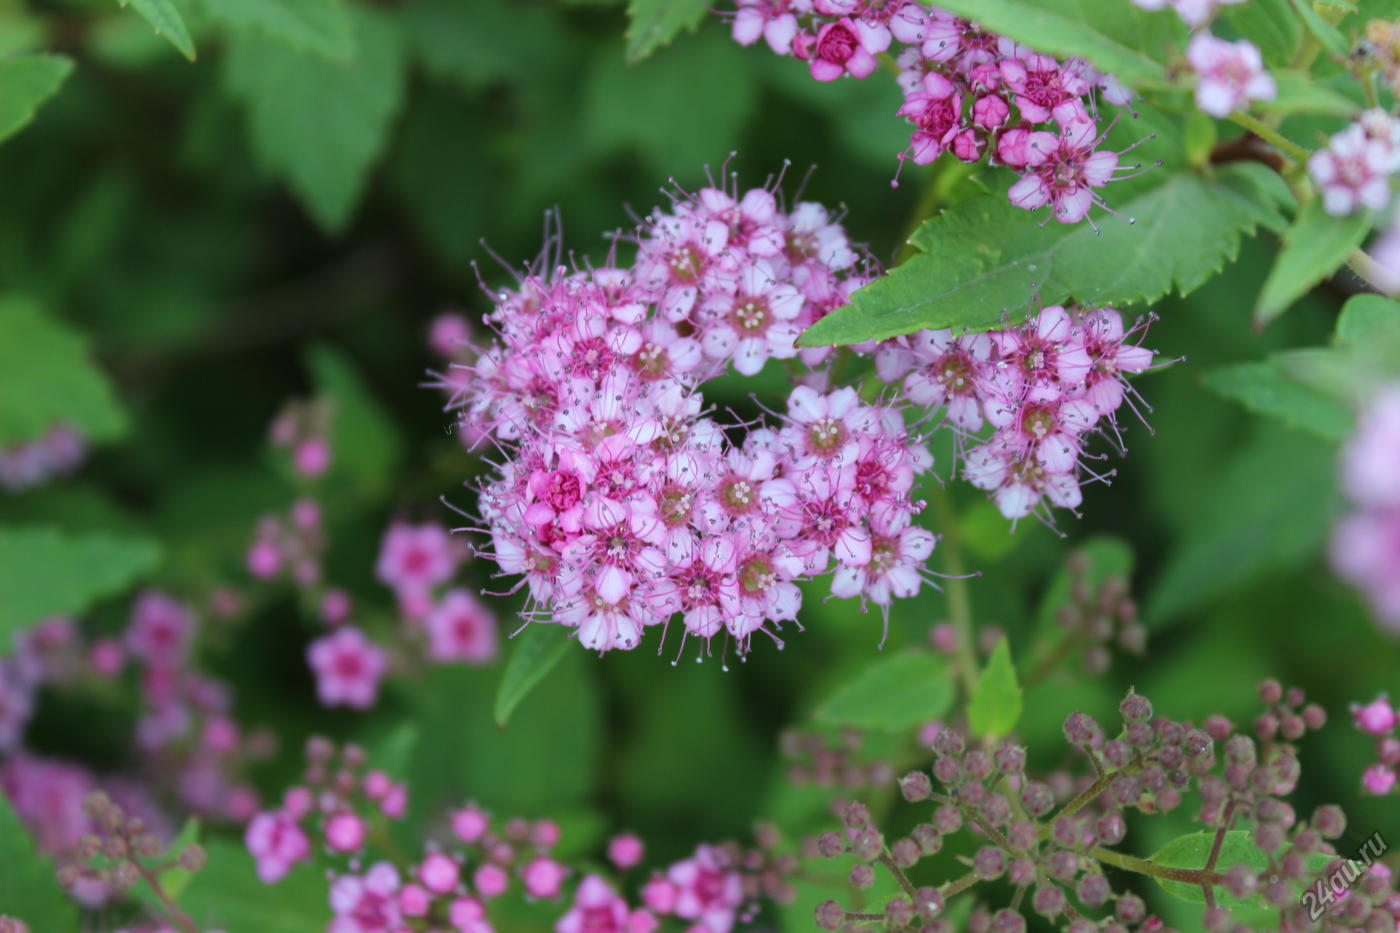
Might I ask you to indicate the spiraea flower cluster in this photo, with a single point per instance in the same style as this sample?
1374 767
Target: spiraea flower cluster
966 91
1052 839
1366 543
623 501
1355 169
336 818
1044 387
57 452
1379 719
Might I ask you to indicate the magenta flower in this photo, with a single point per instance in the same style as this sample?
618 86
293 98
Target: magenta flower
1376 718
754 322
1231 74
936 111
1043 89
1064 170
366 903
160 629
708 890
461 628
348 667
276 843
416 557
845 47
596 909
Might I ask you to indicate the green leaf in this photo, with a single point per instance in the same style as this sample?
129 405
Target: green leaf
1300 92
1313 248
995 705
538 650
321 125
654 23
227 895
321 27
894 693
982 260
45 572
26 81
1114 37
1269 507
166 19
1369 319
29 890
1330 36
1265 389
659 109
1271 25
365 445
472 44
47 377
1237 848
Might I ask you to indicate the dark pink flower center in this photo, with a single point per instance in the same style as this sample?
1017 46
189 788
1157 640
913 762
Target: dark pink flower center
837 44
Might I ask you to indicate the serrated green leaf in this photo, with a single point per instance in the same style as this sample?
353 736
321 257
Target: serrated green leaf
227 895
320 125
165 18
320 27
45 572
365 446
47 377
1314 247
538 650
894 693
26 81
995 705
983 259
1237 848
1250 526
1265 389
1330 36
29 889
1114 37
654 23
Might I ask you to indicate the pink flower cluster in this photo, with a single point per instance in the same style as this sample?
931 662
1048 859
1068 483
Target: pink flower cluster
1379 719
966 91
1043 387
58 452
1366 543
1355 168
454 884
621 500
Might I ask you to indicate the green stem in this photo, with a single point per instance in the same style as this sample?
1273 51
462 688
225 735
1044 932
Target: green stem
899 875
1270 135
1142 866
958 593
1360 262
960 885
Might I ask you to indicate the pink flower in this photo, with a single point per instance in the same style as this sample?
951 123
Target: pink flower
543 877
937 112
461 628
470 823
754 322
1377 717
1231 74
312 457
439 873
490 880
1378 780
345 832
1063 170
448 334
845 47
366 903
1369 474
1353 171
1018 479
416 557
160 629
948 371
625 851
596 909
894 568
1043 89
708 889
771 19
348 668
1111 357
276 843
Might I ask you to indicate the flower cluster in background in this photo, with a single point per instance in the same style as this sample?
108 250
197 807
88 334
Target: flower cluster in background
966 91
1366 543
58 452
338 814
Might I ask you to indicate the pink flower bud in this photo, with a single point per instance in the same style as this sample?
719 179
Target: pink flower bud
990 111
466 912
345 832
297 802
470 823
335 606
395 802
264 559
1376 718
377 785
107 657
311 457
414 900
543 877
625 851
491 881
439 873
660 895
1378 779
